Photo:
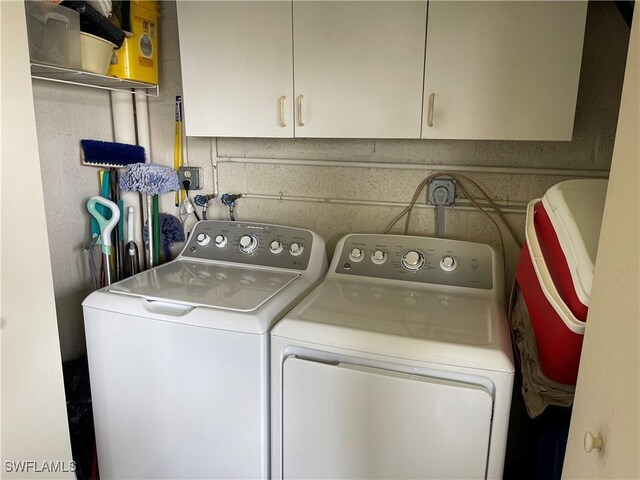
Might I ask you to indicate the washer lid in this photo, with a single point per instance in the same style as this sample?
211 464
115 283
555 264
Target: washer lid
421 324
227 287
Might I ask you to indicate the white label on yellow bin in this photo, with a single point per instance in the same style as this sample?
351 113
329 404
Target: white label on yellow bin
146 47
145 44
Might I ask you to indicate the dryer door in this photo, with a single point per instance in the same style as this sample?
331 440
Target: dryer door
349 421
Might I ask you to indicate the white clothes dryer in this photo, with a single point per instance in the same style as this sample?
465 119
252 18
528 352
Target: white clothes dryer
178 355
398 365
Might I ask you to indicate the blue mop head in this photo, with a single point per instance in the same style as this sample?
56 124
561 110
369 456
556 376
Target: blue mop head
170 228
171 232
96 153
149 178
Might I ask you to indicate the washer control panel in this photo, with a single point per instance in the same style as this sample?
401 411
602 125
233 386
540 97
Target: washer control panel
417 259
249 243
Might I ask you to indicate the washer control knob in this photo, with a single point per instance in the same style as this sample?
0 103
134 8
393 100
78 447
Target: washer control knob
203 239
356 255
248 243
220 240
276 246
448 263
296 249
379 257
412 261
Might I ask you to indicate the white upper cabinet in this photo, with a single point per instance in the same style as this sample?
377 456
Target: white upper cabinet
493 70
359 68
237 72
503 70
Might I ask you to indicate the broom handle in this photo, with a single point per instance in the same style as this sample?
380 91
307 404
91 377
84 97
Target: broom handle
143 219
150 230
156 230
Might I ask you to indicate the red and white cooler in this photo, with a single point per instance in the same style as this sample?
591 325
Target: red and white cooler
555 271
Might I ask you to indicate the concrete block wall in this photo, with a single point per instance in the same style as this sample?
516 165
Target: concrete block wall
330 199
64 115
299 186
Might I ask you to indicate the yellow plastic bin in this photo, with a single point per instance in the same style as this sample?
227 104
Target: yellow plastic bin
137 59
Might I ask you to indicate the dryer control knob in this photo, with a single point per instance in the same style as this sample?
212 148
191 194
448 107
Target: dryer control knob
248 243
412 260
448 263
296 249
203 239
379 257
276 246
220 241
356 255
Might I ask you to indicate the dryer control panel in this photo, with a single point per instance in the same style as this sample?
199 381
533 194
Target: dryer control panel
416 259
250 243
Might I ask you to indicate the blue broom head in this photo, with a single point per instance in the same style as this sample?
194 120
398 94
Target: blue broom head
110 154
170 229
149 178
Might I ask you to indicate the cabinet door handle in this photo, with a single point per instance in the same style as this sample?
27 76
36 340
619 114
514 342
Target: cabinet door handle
299 100
432 100
282 121
592 442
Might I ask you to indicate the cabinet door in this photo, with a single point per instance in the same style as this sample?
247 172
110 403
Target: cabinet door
33 415
359 68
503 70
608 388
236 68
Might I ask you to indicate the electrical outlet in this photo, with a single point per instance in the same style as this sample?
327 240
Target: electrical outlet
441 191
192 175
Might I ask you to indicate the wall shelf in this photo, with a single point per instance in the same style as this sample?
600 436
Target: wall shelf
78 77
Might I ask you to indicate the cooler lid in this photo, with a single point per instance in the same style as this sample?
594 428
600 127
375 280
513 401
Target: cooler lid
227 287
575 208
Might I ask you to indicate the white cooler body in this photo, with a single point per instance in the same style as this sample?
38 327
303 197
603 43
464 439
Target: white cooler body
555 271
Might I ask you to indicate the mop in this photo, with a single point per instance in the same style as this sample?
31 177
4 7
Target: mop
152 180
172 232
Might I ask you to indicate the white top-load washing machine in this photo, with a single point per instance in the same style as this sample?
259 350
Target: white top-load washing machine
398 365
178 355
